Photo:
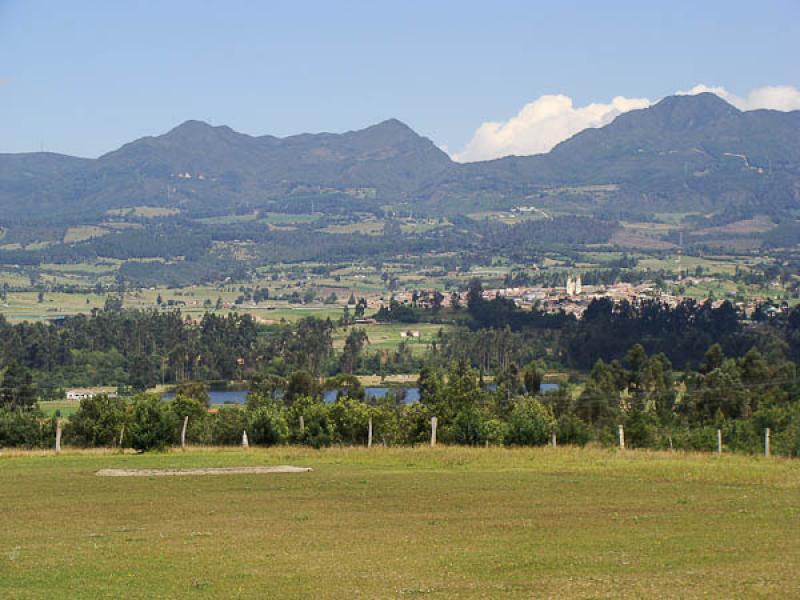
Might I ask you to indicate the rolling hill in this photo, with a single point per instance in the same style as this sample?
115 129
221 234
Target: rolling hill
202 169
685 151
696 152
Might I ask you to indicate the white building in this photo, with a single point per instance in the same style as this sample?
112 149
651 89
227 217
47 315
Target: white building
574 286
84 393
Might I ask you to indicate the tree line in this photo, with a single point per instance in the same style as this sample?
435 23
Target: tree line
657 407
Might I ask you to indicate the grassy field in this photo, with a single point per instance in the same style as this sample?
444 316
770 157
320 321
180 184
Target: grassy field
443 523
710 265
64 408
148 212
83 232
26 305
288 219
388 336
370 227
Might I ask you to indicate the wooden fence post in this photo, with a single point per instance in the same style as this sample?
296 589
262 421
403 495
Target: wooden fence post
369 434
766 442
58 436
245 443
719 441
302 426
621 437
434 423
183 432
554 439
121 435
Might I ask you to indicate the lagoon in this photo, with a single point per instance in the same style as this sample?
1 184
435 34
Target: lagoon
408 395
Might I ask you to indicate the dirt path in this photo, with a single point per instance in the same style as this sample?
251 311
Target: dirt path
206 471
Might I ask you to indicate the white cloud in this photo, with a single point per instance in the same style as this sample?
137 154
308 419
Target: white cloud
542 124
551 119
775 97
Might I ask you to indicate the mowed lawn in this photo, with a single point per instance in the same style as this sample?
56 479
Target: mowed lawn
397 523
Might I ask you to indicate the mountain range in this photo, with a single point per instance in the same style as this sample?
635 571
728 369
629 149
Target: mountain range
685 152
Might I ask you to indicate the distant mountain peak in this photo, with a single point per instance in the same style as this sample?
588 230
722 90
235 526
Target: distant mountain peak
392 130
705 106
191 124
392 123
680 152
194 128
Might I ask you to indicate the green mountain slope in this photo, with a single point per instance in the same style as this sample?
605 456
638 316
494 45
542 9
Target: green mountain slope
685 151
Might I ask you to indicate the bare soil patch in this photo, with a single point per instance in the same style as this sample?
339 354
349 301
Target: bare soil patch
205 471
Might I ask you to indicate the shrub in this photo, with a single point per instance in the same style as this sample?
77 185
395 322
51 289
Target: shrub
228 425
25 429
697 438
267 425
318 428
571 430
467 428
495 431
606 433
152 425
199 429
350 419
98 422
787 442
386 423
741 436
414 424
529 424
641 429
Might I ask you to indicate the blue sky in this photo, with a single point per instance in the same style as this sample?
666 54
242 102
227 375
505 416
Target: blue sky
83 77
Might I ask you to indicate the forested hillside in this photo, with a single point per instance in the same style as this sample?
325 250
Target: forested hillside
685 149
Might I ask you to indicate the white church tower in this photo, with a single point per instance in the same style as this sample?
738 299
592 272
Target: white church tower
574 286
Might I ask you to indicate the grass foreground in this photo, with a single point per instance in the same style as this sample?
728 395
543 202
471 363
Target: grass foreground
385 523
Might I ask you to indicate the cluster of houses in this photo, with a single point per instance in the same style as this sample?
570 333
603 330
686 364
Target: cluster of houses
575 297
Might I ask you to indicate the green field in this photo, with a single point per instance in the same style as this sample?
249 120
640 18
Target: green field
443 523
711 266
388 336
64 408
369 227
148 212
288 219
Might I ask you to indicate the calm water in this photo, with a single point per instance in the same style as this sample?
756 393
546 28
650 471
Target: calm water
219 397
409 394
